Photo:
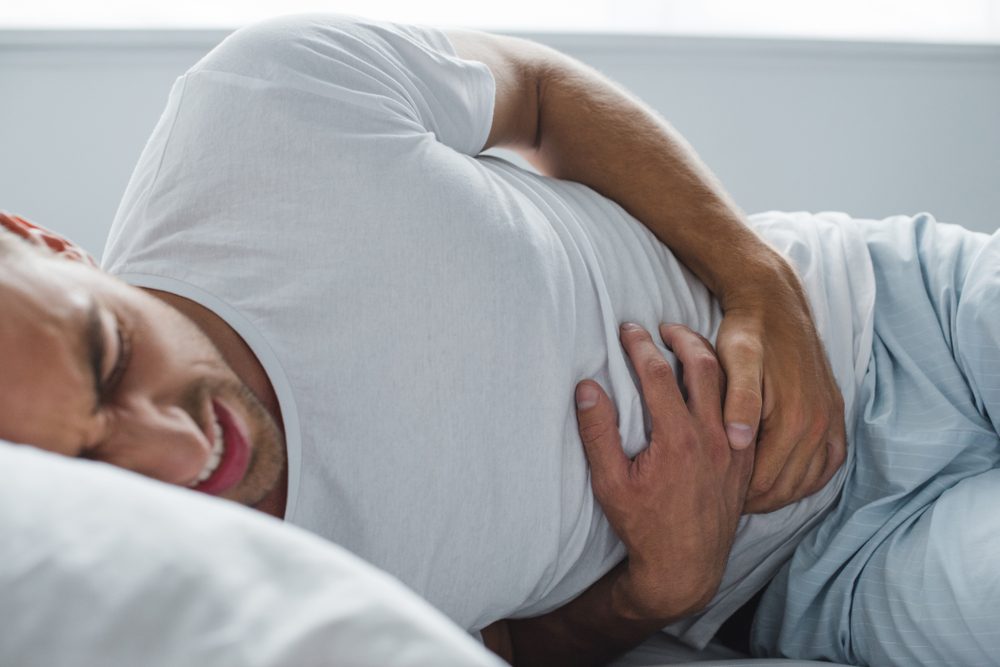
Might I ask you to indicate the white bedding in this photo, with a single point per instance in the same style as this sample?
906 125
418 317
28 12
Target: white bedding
102 567
662 649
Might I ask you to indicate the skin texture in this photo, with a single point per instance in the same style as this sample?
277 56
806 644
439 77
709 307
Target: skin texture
571 123
675 505
780 398
681 497
157 418
677 502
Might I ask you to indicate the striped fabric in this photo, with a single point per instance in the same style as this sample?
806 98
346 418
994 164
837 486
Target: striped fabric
906 570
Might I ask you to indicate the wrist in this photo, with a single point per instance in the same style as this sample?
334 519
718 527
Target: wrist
763 280
729 257
636 597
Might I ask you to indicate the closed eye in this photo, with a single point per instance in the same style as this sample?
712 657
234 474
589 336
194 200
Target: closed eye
110 385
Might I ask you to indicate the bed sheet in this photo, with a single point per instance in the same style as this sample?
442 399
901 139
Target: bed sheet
662 650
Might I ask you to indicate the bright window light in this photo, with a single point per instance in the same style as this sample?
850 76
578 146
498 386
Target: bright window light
905 20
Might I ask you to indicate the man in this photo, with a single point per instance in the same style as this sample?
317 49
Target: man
348 320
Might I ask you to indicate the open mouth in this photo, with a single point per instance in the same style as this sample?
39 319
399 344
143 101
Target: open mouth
227 464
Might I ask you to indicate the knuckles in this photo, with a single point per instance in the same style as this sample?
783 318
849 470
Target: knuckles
703 363
836 455
658 371
816 429
780 496
742 345
761 483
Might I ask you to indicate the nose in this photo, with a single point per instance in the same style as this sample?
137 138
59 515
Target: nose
163 442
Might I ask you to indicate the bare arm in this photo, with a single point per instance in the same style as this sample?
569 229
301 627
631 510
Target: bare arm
573 123
590 630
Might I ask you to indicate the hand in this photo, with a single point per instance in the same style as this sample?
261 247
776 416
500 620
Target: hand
41 237
779 380
677 504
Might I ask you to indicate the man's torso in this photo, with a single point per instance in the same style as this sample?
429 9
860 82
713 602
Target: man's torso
425 314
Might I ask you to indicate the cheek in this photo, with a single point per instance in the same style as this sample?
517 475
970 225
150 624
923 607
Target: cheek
173 353
47 395
161 441
55 422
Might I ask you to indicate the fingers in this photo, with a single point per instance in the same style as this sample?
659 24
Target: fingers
656 377
703 377
808 468
827 459
799 477
836 450
602 443
742 357
815 478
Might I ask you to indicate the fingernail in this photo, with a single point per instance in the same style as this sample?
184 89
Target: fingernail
630 326
739 435
586 397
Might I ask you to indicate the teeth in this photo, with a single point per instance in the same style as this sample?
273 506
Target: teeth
214 458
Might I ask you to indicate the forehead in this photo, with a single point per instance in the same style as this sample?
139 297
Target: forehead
41 344
40 299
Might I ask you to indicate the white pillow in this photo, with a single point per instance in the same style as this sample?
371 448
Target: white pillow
99 566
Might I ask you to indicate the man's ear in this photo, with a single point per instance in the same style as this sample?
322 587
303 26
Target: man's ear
45 238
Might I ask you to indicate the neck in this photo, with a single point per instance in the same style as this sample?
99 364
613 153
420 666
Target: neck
238 355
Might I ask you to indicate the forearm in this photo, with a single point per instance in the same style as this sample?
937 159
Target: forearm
591 131
593 629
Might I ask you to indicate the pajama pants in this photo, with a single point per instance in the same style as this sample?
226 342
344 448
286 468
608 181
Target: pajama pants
906 569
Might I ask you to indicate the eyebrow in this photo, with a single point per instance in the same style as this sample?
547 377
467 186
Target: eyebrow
96 349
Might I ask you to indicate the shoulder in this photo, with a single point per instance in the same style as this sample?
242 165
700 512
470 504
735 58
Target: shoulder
302 39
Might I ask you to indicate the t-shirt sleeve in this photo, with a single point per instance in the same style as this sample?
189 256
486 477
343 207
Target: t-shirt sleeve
406 78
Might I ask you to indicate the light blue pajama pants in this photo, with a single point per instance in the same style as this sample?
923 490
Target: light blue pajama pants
906 569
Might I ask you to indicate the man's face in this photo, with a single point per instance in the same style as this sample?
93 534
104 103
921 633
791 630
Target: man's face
91 367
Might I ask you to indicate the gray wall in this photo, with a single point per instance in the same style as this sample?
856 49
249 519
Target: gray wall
871 129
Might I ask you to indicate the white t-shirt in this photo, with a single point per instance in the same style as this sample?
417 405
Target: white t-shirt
424 314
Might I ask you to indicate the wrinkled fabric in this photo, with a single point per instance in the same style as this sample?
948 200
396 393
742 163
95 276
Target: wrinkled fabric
904 570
